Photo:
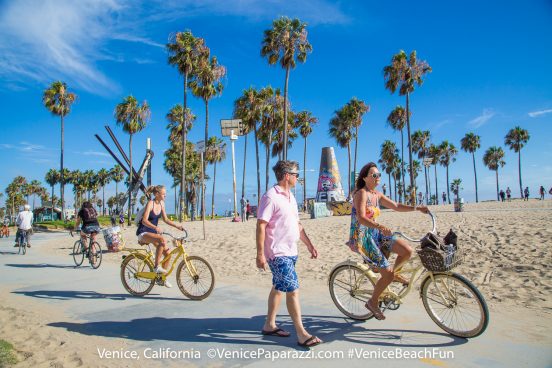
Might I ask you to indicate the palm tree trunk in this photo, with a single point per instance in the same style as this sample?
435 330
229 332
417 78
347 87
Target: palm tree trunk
258 167
475 174
62 182
426 185
244 159
436 188
410 148
175 201
205 166
131 180
519 167
356 148
497 196
213 195
103 200
429 182
184 136
52 203
402 161
448 186
390 187
268 157
395 186
349 171
285 114
305 175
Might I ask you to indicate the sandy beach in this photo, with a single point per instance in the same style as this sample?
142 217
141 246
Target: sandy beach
508 257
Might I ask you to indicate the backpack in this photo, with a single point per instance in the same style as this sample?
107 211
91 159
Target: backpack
89 214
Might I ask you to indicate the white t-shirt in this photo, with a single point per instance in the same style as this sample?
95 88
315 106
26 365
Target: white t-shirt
24 220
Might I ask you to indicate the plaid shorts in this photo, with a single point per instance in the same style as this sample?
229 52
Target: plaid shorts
284 277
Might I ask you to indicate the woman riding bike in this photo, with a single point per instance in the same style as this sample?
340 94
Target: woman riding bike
89 218
148 230
372 240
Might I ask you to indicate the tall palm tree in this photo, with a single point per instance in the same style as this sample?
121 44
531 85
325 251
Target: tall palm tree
397 121
420 145
515 140
58 100
403 74
52 177
493 159
216 152
435 154
133 117
286 42
448 153
103 178
387 157
248 108
341 131
356 110
117 176
305 122
206 85
471 143
455 186
34 188
184 52
271 122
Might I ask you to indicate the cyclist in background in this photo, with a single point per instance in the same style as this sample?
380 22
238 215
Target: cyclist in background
89 218
24 224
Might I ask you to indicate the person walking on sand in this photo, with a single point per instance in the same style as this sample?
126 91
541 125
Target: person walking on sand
278 230
542 192
526 193
444 198
502 195
243 205
247 211
509 194
374 241
384 189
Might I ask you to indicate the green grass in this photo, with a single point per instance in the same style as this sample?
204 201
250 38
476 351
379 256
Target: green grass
7 354
59 224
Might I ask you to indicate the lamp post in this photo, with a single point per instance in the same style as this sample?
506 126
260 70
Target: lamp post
229 128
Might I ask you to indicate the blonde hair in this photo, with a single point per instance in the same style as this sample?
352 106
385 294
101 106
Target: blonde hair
153 189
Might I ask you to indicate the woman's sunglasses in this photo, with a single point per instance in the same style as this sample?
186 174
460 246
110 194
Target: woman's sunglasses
376 175
294 174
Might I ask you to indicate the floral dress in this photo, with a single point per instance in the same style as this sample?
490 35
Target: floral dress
368 241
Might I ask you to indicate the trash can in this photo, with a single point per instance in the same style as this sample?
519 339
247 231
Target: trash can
459 205
113 238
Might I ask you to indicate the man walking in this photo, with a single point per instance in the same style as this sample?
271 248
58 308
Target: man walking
278 230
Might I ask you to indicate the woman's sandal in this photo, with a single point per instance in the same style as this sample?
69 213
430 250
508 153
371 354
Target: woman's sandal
400 278
376 312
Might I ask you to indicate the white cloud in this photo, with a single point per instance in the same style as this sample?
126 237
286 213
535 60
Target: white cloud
94 153
482 119
535 114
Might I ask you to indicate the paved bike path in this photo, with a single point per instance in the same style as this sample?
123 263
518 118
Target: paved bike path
227 323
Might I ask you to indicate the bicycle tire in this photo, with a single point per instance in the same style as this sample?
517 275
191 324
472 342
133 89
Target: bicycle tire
132 264
95 255
196 287
78 253
24 246
454 317
350 289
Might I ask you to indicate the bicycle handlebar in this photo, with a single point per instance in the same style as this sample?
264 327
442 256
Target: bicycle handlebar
176 238
419 240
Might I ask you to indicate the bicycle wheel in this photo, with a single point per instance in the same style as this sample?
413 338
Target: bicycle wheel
24 247
134 285
455 304
78 253
350 289
95 255
200 284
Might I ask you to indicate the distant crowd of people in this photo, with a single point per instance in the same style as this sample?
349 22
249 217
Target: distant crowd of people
507 195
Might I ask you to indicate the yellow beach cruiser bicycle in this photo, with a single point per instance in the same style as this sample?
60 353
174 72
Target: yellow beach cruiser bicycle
194 275
450 300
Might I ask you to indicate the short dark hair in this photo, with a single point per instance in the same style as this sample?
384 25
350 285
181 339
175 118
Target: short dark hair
284 166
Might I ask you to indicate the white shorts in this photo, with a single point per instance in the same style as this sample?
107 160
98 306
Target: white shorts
141 237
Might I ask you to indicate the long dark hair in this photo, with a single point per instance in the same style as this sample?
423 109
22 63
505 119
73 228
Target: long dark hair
359 184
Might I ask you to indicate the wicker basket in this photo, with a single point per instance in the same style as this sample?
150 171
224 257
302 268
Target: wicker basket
437 260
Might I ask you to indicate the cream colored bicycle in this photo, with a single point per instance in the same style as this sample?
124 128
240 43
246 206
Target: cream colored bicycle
450 299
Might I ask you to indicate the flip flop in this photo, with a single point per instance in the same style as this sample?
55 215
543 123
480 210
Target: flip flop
377 314
277 332
305 344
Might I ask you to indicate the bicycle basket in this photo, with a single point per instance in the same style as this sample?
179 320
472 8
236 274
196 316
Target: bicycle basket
437 260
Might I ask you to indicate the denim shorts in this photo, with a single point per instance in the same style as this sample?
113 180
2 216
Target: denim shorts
91 229
284 277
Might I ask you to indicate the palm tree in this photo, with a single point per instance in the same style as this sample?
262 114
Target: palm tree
286 42
515 140
117 176
184 53
403 74
435 154
58 100
397 121
248 108
104 177
448 153
470 143
356 110
34 188
420 145
387 157
341 131
133 117
52 177
455 187
305 122
493 159
207 85
216 152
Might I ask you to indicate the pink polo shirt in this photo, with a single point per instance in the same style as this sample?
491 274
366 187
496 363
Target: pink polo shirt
282 231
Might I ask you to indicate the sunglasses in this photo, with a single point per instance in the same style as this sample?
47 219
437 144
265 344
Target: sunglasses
376 175
294 174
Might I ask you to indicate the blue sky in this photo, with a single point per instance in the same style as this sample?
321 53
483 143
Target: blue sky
490 61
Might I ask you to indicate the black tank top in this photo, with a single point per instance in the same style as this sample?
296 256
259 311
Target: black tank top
153 218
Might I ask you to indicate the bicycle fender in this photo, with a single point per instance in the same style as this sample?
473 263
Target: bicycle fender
348 262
